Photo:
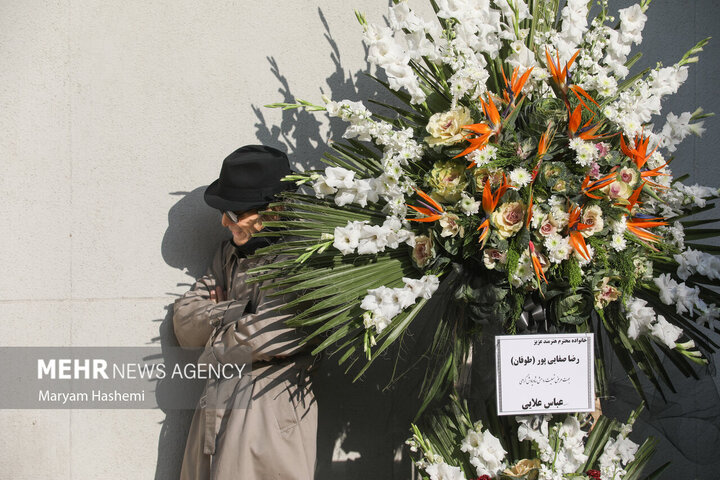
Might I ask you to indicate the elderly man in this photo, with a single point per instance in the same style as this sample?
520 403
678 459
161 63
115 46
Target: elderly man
276 436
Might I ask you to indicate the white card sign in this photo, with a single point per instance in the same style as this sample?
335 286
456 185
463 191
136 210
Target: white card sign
545 373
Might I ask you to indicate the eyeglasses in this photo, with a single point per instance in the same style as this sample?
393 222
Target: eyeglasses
235 216
231 215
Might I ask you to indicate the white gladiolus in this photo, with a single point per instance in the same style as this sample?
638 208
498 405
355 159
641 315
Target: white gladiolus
694 261
677 128
384 303
666 332
443 471
490 455
698 194
643 319
640 316
370 239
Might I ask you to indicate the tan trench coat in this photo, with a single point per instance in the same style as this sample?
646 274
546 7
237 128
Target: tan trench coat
275 438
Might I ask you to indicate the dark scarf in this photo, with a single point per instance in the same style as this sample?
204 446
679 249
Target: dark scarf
256 243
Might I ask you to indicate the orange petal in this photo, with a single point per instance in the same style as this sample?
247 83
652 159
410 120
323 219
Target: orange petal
578 243
429 199
431 218
424 211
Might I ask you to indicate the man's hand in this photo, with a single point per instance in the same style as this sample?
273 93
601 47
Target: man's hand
217 294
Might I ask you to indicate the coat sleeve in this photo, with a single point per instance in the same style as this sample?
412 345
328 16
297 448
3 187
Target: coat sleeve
261 329
195 316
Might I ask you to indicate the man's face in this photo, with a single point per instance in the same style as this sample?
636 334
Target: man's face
248 223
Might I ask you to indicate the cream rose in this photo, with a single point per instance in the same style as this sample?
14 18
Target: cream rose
592 216
618 189
492 257
483 174
548 226
606 293
508 218
450 225
448 181
445 128
628 175
560 186
423 250
525 468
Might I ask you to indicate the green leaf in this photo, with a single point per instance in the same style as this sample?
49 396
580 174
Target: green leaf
701 233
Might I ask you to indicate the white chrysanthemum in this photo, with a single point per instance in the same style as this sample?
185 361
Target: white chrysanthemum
468 205
520 177
561 216
524 270
556 201
585 152
619 226
606 85
555 241
558 248
484 156
618 242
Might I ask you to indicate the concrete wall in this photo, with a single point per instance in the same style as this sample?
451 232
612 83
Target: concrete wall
113 118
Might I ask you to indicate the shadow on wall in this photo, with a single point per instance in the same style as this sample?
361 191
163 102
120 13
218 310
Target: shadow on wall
362 426
176 424
193 233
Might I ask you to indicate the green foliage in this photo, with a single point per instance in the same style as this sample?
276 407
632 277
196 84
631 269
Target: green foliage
627 272
572 273
601 253
513 256
573 309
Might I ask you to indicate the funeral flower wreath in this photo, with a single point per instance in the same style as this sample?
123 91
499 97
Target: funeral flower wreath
520 170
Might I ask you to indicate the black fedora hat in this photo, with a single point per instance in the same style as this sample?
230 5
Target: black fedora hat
249 178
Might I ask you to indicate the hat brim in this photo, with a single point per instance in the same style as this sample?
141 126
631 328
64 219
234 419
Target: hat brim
213 199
